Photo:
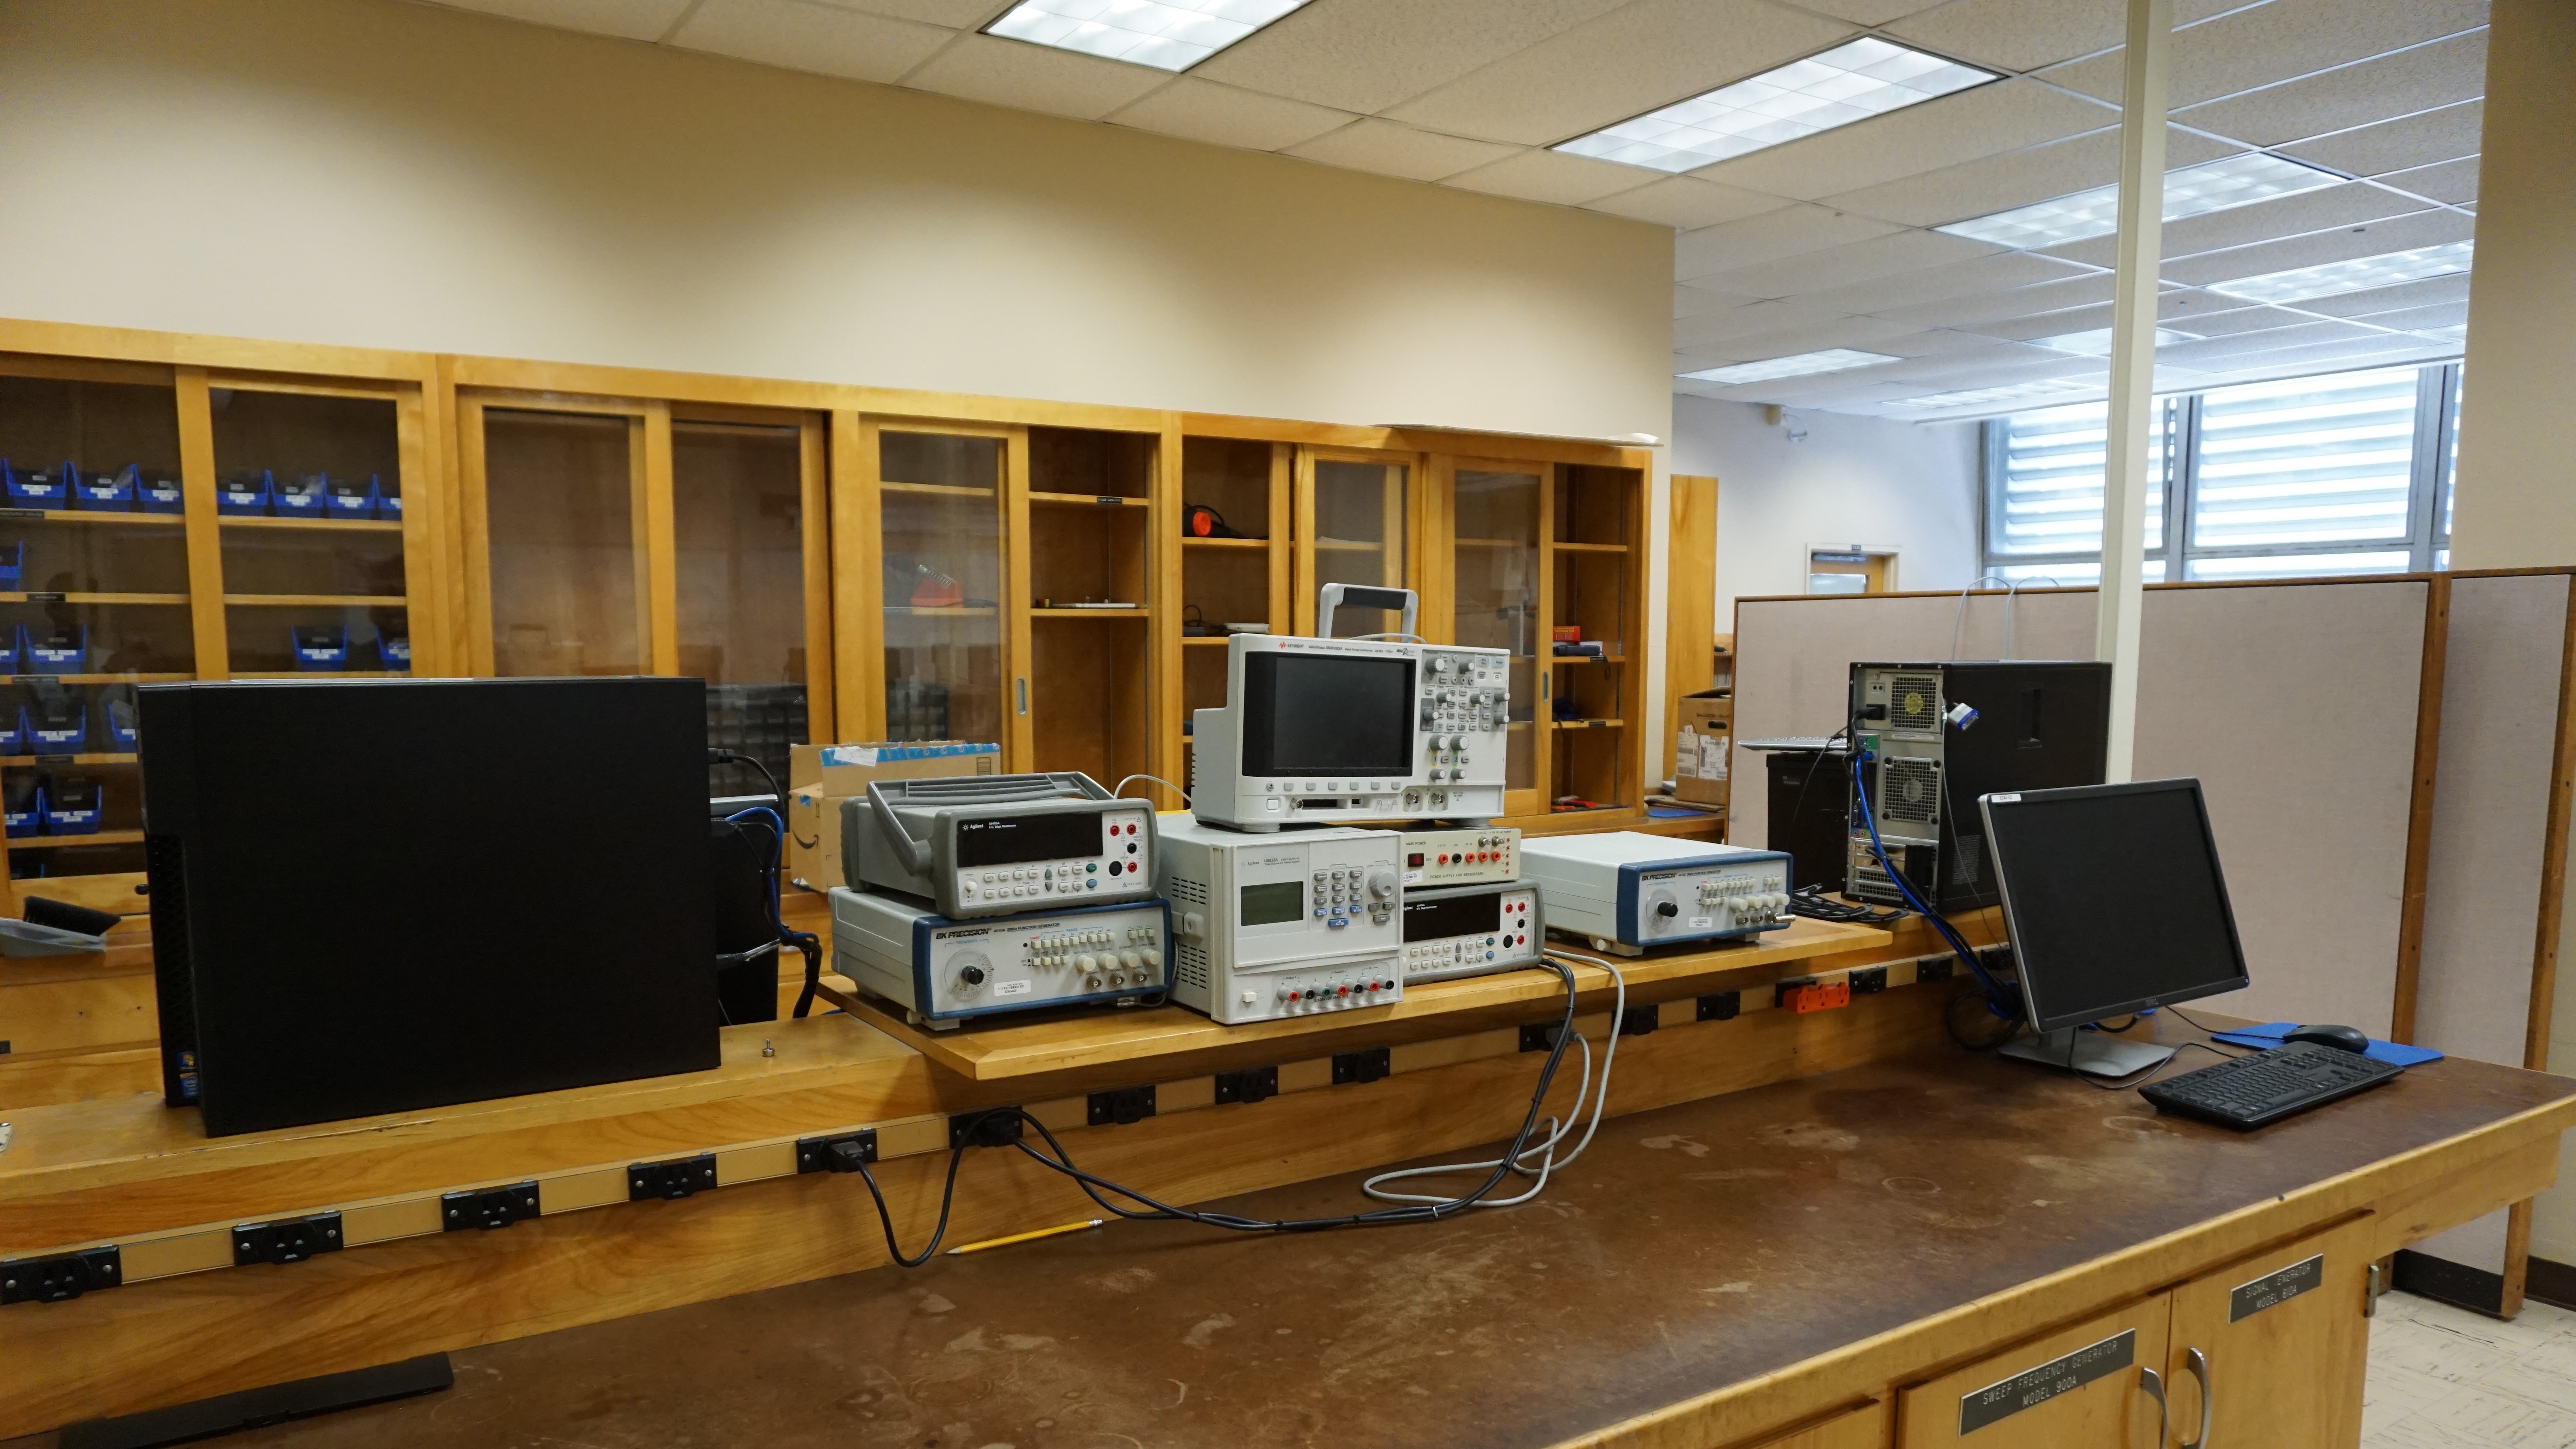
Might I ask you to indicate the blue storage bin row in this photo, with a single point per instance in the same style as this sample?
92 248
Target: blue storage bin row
259 493
122 491
64 719
326 647
44 649
41 803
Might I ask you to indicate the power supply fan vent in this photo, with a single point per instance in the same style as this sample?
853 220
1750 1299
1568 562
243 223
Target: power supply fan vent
1914 702
1910 790
1182 888
1193 966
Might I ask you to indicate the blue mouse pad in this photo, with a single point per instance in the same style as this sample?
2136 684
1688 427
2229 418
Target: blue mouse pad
2272 1034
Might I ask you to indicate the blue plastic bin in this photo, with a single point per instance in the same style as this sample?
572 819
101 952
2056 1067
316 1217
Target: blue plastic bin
244 494
321 646
159 493
22 805
56 726
13 730
33 489
388 502
393 651
105 492
13 568
120 716
72 805
305 497
353 497
60 649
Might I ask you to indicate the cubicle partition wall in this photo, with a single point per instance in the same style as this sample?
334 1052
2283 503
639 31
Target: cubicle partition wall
2387 766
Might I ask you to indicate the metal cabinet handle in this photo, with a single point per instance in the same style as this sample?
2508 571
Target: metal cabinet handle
1024 694
2198 1363
2154 1384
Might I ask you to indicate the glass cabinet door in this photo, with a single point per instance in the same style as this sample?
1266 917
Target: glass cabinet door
562 499
1358 515
939 516
738 505
308 505
1498 599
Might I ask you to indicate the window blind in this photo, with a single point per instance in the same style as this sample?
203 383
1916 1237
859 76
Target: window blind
2051 485
2318 460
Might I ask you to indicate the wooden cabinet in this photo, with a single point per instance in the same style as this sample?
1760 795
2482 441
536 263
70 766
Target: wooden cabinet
2270 1351
1859 1429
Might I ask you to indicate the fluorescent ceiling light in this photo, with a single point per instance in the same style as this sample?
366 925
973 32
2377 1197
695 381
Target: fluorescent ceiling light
1165 34
2357 275
1868 77
2097 343
2191 191
1976 397
1834 359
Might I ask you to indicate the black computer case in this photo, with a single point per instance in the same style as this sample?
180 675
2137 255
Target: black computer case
2039 724
385 895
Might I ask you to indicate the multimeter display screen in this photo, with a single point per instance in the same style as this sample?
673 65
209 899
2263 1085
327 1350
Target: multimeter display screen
1009 840
1475 915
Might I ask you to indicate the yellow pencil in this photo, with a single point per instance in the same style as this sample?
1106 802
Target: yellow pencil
1023 1237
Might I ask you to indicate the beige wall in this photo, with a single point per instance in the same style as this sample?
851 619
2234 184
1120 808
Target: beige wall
369 172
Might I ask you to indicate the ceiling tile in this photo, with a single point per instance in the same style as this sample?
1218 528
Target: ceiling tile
2015 178
2333 206
1860 333
1639 57
1866 12
1537 175
955 14
2202 314
808 37
1393 150
2236 321
2397 234
1366 55
1932 284
2266 44
1785 232
2443 134
2028 34
1201 110
2452 181
1937 133
1689 301
1687 203
2425 293
2388 349
2220 349
1034 77
1970 309
1861 261
2422 319
1712 330
2410 80
630 19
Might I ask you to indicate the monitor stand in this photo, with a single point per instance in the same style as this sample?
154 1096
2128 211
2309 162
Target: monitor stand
2092 1052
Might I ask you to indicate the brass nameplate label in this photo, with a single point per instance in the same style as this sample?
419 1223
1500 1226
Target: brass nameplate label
2274 1289
2034 1387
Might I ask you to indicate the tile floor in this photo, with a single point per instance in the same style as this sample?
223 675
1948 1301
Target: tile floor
2446 1378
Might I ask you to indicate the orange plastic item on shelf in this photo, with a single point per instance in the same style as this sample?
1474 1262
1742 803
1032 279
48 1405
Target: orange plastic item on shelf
1818 996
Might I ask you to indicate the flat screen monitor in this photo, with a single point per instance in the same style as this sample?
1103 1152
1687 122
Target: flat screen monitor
376 896
1321 714
2114 898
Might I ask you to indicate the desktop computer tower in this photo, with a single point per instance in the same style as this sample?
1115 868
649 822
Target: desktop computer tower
1809 792
2037 725
387 895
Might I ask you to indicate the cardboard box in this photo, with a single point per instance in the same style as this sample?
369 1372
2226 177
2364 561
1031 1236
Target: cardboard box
833 773
1701 744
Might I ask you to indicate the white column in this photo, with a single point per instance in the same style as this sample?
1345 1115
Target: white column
2125 478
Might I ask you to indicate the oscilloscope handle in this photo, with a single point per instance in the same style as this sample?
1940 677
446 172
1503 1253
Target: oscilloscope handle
1365 596
967 790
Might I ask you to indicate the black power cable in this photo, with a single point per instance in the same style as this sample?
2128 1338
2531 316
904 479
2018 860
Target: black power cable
1094 1186
807 945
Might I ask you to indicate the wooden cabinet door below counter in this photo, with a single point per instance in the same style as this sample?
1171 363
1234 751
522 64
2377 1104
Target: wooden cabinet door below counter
2079 1389
2283 1348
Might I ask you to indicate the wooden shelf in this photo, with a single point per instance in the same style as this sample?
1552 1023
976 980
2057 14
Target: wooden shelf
321 525
41 596
1189 542
31 677
26 761
58 842
1216 640
1138 612
1348 545
80 515
324 601
939 490
1168 1042
1587 659
1589 547
1497 543
944 611
1589 724
1083 500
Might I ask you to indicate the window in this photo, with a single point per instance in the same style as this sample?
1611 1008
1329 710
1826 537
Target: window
2341 474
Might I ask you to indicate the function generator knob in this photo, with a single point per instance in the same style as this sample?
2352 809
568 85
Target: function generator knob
1667 909
1131 961
1086 963
1381 882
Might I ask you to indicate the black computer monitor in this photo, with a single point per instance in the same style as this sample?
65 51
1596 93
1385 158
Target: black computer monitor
383 895
2115 902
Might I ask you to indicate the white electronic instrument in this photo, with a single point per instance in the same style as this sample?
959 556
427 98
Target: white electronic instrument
1442 857
1287 924
1471 930
1625 890
995 845
944 972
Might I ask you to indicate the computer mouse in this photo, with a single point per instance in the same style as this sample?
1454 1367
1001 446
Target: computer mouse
2343 1038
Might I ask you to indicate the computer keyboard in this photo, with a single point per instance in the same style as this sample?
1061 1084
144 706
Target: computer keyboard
2267 1086
1833 743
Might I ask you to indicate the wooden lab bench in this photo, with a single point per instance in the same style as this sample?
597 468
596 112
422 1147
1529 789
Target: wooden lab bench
1819 1224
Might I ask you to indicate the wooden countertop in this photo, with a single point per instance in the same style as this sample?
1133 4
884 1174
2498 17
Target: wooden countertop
1727 1247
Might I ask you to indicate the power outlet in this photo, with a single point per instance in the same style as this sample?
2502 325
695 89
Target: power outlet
671 1181
1124 1106
1869 981
63 1277
841 1152
1640 1020
1252 1084
992 1127
287 1240
1362 1066
1721 1006
485 1209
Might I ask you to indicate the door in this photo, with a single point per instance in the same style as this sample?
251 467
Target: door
1498 598
926 548
1857 1429
1354 525
1852 569
2084 1388
2282 1348
568 545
